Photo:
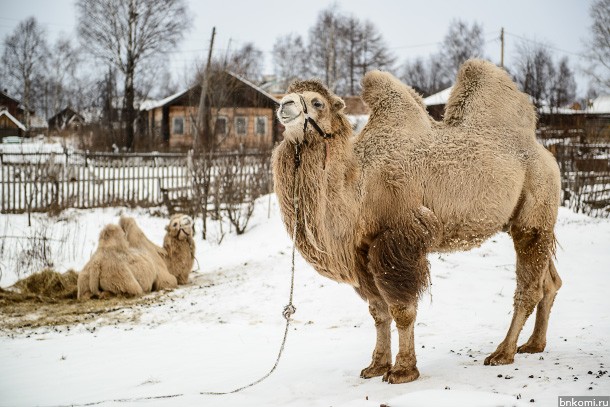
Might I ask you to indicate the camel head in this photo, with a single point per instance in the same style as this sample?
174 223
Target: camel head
180 227
311 99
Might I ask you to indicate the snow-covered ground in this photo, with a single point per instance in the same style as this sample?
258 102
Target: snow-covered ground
224 330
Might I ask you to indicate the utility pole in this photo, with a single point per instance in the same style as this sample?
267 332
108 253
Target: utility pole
203 113
502 47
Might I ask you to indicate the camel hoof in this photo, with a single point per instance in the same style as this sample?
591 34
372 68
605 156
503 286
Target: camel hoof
375 370
531 347
400 375
499 358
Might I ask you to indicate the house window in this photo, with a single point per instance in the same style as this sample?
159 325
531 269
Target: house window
178 125
220 128
261 126
241 125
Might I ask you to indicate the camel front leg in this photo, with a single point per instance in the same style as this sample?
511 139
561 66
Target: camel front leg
382 355
405 367
398 263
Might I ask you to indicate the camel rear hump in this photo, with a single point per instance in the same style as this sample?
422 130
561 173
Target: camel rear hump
485 95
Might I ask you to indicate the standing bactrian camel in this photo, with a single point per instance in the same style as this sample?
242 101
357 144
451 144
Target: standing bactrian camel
371 208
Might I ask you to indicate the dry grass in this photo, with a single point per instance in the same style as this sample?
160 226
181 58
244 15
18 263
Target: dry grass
48 299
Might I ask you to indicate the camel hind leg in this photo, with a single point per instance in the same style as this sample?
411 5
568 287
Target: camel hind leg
537 342
534 248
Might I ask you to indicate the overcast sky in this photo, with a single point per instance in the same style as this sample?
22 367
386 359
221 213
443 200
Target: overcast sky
410 28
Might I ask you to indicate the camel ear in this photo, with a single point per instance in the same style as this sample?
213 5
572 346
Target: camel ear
338 104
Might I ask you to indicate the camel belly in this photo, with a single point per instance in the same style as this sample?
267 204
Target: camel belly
460 237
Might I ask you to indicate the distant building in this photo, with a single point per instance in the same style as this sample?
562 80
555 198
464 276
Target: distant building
66 119
591 124
12 116
10 126
243 115
436 103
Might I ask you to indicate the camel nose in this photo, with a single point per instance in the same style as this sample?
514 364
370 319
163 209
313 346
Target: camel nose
288 111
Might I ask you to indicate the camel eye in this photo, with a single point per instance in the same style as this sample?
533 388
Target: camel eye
317 104
175 224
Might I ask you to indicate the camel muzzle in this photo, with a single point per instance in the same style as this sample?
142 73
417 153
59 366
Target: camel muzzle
288 111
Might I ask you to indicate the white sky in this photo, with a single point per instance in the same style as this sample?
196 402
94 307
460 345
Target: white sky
411 28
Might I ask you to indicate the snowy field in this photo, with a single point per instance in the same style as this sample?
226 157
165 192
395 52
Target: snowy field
224 329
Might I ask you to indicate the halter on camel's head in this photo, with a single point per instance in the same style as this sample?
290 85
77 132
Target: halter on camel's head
308 103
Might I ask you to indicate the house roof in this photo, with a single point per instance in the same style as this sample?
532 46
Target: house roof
12 118
17 101
64 117
153 104
149 104
253 86
439 98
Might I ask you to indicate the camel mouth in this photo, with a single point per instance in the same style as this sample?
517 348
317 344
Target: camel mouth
288 111
287 119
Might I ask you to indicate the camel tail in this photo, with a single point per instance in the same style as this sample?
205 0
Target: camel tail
485 95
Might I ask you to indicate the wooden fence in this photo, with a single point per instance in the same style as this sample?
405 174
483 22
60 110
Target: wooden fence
40 182
585 177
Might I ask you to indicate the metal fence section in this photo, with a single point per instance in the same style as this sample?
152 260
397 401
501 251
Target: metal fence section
40 182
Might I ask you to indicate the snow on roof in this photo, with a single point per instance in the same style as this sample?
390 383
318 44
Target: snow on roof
11 118
253 86
601 104
153 104
439 98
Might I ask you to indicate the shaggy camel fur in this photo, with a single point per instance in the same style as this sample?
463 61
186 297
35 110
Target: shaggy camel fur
112 267
138 241
177 253
371 208
180 247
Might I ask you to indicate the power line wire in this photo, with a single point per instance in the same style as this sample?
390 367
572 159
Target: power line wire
546 45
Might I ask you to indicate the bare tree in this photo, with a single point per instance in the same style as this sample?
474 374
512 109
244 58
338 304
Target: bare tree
290 58
64 59
246 61
461 43
352 36
325 51
24 59
426 76
374 53
127 34
563 90
535 72
342 48
598 46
